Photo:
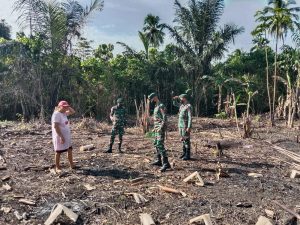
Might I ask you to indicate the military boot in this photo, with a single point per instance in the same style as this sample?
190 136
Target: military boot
119 148
157 160
109 150
183 152
166 164
188 154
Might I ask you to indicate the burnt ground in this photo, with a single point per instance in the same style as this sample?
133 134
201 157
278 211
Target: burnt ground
26 152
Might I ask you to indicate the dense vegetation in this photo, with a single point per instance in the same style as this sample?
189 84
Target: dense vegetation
56 62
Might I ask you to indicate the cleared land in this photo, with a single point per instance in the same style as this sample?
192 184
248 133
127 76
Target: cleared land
100 190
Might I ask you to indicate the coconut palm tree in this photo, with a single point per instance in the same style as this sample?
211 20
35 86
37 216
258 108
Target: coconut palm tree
132 52
58 22
199 38
280 17
260 41
154 30
143 37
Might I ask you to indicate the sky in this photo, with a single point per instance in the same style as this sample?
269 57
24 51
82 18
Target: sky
121 20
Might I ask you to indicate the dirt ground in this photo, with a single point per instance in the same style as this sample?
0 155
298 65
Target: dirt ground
26 155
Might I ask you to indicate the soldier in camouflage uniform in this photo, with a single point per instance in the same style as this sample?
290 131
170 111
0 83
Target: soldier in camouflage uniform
160 120
118 117
184 124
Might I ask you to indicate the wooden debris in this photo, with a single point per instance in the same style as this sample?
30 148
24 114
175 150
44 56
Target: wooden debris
3 168
295 174
195 176
6 187
5 178
263 221
244 205
89 187
53 171
18 196
138 198
288 210
290 154
220 172
31 167
203 218
146 219
137 180
171 190
26 201
17 214
87 147
269 213
6 209
255 175
57 211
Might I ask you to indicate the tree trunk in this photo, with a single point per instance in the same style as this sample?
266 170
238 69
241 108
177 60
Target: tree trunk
268 88
220 99
296 99
275 76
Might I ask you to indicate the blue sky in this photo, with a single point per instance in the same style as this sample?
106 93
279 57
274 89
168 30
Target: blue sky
120 20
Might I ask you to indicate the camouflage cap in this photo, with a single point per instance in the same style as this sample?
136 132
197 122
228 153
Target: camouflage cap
183 96
120 100
151 96
188 92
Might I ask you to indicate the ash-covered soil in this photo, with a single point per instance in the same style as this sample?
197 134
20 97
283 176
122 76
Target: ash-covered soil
26 156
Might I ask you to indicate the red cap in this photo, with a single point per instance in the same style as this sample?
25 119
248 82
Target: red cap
63 104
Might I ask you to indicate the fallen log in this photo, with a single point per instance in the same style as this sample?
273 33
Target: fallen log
27 202
138 198
288 210
87 147
171 190
137 180
290 154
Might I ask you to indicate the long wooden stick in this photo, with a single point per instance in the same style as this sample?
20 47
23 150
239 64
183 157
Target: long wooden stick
288 210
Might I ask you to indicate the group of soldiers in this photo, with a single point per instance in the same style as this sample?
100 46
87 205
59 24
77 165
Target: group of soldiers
118 117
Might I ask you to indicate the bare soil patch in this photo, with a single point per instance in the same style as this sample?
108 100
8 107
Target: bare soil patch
26 157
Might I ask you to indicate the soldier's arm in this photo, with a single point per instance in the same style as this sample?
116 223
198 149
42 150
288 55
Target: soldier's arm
189 115
175 102
112 112
164 115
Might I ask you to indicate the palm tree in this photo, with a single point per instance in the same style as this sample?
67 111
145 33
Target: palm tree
260 40
199 39
132 52
154 30
4 30
58 22
143 37
280 17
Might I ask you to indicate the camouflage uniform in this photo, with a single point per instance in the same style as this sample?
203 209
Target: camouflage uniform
184 122
118 113
160 119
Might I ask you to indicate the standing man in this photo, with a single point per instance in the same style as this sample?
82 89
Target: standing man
160 120
118 117
184 124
